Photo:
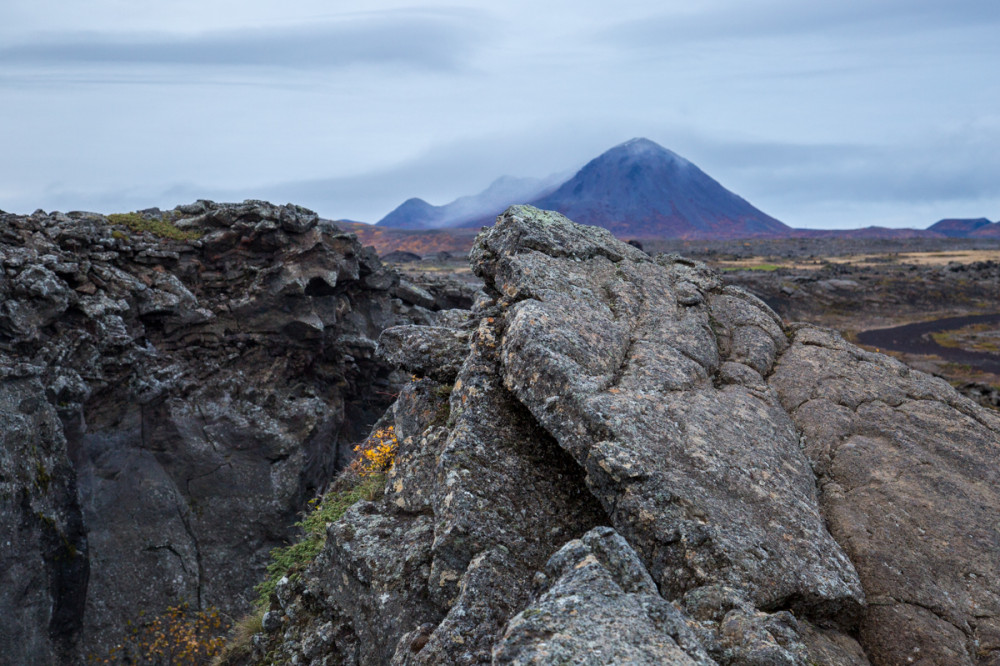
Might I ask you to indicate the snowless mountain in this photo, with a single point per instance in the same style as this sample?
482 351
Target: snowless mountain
966 228
418 214
638 189
641 189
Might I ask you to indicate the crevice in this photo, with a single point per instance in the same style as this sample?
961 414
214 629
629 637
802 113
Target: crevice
173 550
197 552
935 612
187 482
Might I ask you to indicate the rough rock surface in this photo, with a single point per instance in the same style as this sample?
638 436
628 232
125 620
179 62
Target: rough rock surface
649 373
638 464
613 458
910 487
167 406
596 587
43 570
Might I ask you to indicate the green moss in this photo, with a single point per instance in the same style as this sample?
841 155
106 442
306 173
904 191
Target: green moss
164 228
946 339
292 560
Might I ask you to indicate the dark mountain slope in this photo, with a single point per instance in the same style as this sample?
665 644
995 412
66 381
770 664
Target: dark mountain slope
643 190
958 228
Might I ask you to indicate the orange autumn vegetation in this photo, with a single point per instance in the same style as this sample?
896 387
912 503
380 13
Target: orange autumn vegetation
377 453
179 637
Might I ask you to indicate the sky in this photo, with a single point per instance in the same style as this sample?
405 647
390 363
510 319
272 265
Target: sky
823 114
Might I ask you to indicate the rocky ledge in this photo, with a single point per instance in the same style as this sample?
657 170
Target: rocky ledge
168 401
616 458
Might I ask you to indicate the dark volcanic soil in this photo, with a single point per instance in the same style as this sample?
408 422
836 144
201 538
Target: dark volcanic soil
916 339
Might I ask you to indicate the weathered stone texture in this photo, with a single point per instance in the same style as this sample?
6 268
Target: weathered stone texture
910 487
204 389
618 356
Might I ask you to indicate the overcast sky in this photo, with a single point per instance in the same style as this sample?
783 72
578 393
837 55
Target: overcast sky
828 114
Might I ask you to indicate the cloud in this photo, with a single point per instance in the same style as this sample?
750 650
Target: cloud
730 19
430 40
908 183
903 174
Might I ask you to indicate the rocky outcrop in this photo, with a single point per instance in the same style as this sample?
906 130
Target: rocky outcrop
650 374
616 458
909 486
168 405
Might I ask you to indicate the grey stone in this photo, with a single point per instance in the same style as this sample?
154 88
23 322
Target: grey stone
433 351
909 486
707 483
598 605
204 390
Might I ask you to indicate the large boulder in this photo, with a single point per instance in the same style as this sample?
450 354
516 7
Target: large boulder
593 588
910 487
650 374
186 396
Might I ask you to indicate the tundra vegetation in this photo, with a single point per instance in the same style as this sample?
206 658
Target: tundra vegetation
164 227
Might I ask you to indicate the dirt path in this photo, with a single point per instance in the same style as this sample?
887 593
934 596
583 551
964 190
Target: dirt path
916 339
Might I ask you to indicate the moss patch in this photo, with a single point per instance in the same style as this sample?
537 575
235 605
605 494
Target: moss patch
163 228
292 560
753 267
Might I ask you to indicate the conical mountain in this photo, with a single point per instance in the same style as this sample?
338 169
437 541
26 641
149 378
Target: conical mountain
413 213
640 189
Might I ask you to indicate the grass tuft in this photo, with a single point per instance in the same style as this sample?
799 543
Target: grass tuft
164 228
292 560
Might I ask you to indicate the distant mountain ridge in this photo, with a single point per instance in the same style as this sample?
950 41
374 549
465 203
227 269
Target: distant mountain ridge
416 213
979 227
638 189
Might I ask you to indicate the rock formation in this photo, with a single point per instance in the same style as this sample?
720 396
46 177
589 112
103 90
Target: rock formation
609 458
167 406
616 458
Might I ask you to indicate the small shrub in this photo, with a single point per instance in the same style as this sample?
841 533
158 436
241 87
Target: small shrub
164 228
377 453
178 637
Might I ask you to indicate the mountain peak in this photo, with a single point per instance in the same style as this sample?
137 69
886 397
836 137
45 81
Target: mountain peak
642 148
638 189
641 189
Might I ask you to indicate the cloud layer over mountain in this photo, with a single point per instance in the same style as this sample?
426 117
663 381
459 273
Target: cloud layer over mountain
824 115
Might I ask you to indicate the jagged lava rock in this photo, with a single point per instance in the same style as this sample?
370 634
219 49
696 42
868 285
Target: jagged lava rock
650 374
204 389
596 588
43 563
610 425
